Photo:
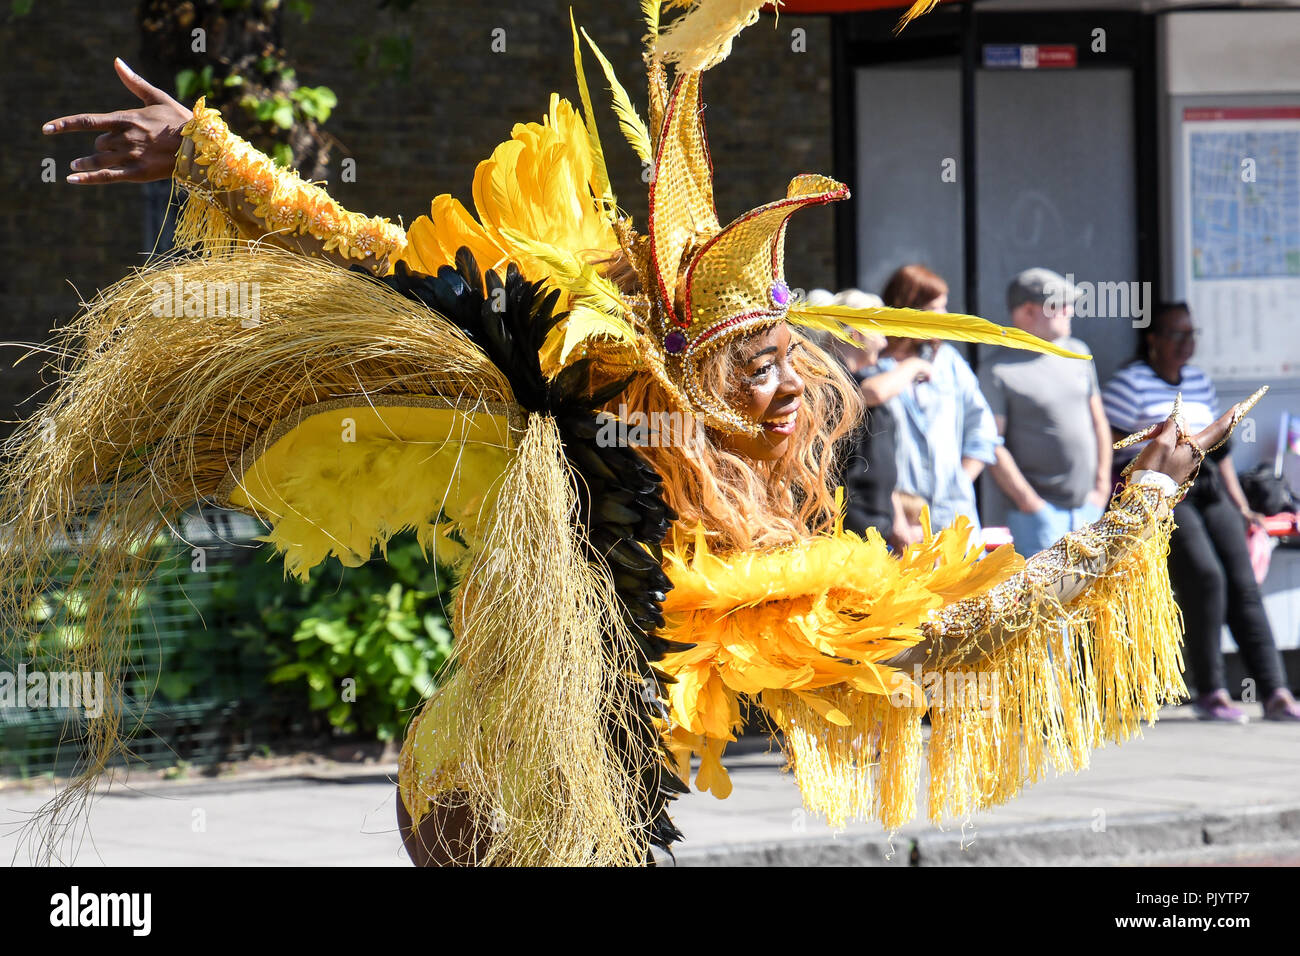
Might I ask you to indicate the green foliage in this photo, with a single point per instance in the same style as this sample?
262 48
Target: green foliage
367 643
180 659
283 111
166 661
304 9
315 102
191 84
388 54
280 110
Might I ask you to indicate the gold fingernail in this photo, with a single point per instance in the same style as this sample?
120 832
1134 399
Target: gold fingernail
1238 413
1138 436
1248 404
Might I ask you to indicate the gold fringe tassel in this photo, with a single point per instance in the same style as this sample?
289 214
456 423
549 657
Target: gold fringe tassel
1074 677
866 770
202 224
521 738
1079 675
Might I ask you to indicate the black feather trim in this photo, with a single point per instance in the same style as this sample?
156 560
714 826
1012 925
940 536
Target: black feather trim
621 506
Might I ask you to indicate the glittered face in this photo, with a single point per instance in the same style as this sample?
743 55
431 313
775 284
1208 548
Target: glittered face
765 388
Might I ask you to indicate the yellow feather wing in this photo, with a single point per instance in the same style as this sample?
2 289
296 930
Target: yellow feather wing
701 37
919 9
568 272
916 324
650 10
432 240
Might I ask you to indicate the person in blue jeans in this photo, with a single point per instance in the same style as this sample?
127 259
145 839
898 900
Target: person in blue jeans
945 434
1054 463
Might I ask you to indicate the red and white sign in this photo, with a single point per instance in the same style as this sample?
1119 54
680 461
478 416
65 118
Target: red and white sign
1030 56
1203 114
1059 56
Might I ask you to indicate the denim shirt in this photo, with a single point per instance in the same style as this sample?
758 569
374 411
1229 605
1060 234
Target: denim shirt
940 422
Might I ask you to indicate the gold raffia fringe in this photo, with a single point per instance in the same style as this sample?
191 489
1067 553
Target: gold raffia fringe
283 203
154 402
521 737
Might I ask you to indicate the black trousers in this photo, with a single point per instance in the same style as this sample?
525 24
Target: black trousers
1209 567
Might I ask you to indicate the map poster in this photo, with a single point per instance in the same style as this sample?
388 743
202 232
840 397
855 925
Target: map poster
1242 220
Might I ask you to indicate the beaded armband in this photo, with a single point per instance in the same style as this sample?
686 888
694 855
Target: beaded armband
214 161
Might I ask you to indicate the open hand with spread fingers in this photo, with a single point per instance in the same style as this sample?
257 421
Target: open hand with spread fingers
1173 451
135 145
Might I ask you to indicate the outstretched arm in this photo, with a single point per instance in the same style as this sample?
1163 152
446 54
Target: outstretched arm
235 190
135 145
973 629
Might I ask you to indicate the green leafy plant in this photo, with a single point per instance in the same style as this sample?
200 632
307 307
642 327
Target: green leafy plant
367 643
191 84
171 667
242 70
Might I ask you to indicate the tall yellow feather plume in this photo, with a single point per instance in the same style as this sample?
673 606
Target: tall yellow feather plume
650 10
916 324
604 190
918 9
633 127
581 325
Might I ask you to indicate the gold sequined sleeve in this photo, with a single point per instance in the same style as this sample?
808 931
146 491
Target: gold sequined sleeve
239 192
1054 580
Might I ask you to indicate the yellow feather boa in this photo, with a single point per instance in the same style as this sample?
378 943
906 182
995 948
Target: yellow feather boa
809 620
804 632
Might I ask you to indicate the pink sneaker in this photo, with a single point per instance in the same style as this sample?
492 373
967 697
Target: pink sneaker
1218 706
1281 706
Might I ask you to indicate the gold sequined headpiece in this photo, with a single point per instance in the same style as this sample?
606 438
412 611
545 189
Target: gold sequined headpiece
545 202
713 283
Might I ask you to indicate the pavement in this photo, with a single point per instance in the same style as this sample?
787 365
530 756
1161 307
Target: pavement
1185 792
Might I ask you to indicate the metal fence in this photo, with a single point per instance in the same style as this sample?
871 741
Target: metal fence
191 691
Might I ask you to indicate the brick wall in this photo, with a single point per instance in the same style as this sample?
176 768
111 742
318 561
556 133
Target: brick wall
768 110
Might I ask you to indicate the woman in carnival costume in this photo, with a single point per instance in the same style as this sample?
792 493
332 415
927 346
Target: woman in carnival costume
617 602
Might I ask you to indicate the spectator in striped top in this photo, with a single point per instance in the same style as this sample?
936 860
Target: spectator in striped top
1209 564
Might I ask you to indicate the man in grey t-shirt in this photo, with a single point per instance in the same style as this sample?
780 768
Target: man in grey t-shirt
1055 464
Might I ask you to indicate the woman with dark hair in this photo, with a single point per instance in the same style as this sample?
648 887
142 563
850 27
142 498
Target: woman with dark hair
1208 560
946 430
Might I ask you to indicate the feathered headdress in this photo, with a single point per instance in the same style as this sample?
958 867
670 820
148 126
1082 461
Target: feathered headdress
700 284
